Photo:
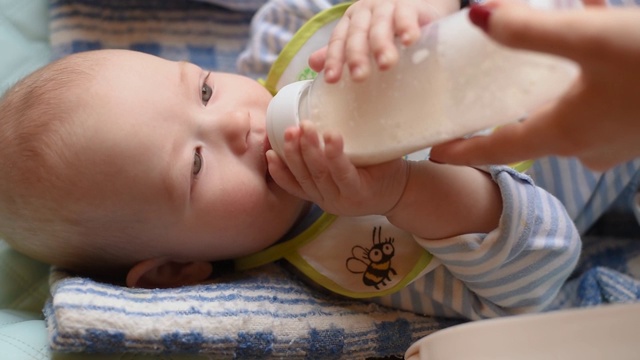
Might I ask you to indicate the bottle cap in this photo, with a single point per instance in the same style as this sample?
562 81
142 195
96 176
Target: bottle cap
283 112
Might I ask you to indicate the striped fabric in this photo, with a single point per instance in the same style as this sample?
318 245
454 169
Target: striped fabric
587 194
259 314
272 28
211 34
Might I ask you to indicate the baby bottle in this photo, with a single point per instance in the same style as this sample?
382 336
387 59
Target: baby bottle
452 82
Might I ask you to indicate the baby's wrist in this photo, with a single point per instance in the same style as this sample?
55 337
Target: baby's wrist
407 174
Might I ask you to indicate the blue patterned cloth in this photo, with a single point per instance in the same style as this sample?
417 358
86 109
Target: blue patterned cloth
265 313
608 273
210 34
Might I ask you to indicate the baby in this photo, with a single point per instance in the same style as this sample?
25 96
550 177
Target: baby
121 164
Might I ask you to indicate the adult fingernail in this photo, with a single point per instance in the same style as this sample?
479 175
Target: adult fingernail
479 16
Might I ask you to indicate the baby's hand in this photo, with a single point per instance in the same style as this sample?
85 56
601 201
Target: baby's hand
368 29
325 176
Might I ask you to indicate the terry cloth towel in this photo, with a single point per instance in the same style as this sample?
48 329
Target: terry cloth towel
211 34
260 314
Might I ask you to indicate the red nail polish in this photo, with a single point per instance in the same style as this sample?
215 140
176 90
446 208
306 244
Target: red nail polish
479 15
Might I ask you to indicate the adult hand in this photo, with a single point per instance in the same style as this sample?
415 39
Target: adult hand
598 118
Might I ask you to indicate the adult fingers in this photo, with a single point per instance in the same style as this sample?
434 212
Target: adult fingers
506 145
545 132
595 2
568 33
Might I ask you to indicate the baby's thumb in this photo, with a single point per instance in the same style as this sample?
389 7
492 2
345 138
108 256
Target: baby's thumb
517 25
317 59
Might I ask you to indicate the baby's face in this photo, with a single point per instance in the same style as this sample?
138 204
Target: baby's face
184 149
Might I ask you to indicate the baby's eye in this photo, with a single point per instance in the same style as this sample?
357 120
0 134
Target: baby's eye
197 163
206 91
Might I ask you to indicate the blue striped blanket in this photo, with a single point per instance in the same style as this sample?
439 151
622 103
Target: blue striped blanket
208 33
264 313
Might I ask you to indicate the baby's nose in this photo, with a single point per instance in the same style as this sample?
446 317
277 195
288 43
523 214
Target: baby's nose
235 127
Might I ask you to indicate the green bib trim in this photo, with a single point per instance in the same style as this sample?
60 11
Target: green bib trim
522 166
300 38
282 250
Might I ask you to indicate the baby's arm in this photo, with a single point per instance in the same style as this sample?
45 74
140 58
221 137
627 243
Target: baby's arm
437 196
423 198
518 267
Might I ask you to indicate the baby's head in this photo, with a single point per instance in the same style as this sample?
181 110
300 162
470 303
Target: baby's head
116 162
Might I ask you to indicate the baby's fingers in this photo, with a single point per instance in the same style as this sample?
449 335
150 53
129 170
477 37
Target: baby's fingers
296 163
344 173
381 37
283 176
316 163
357 51
332 59
407 21
317 59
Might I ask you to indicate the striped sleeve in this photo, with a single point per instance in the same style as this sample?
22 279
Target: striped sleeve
271 29
517 268
585 193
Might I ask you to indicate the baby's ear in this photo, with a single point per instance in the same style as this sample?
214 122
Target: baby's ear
166 273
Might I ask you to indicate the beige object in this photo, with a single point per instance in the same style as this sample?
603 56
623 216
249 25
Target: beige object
604 332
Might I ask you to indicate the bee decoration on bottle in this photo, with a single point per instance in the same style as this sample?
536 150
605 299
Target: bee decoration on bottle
375 263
